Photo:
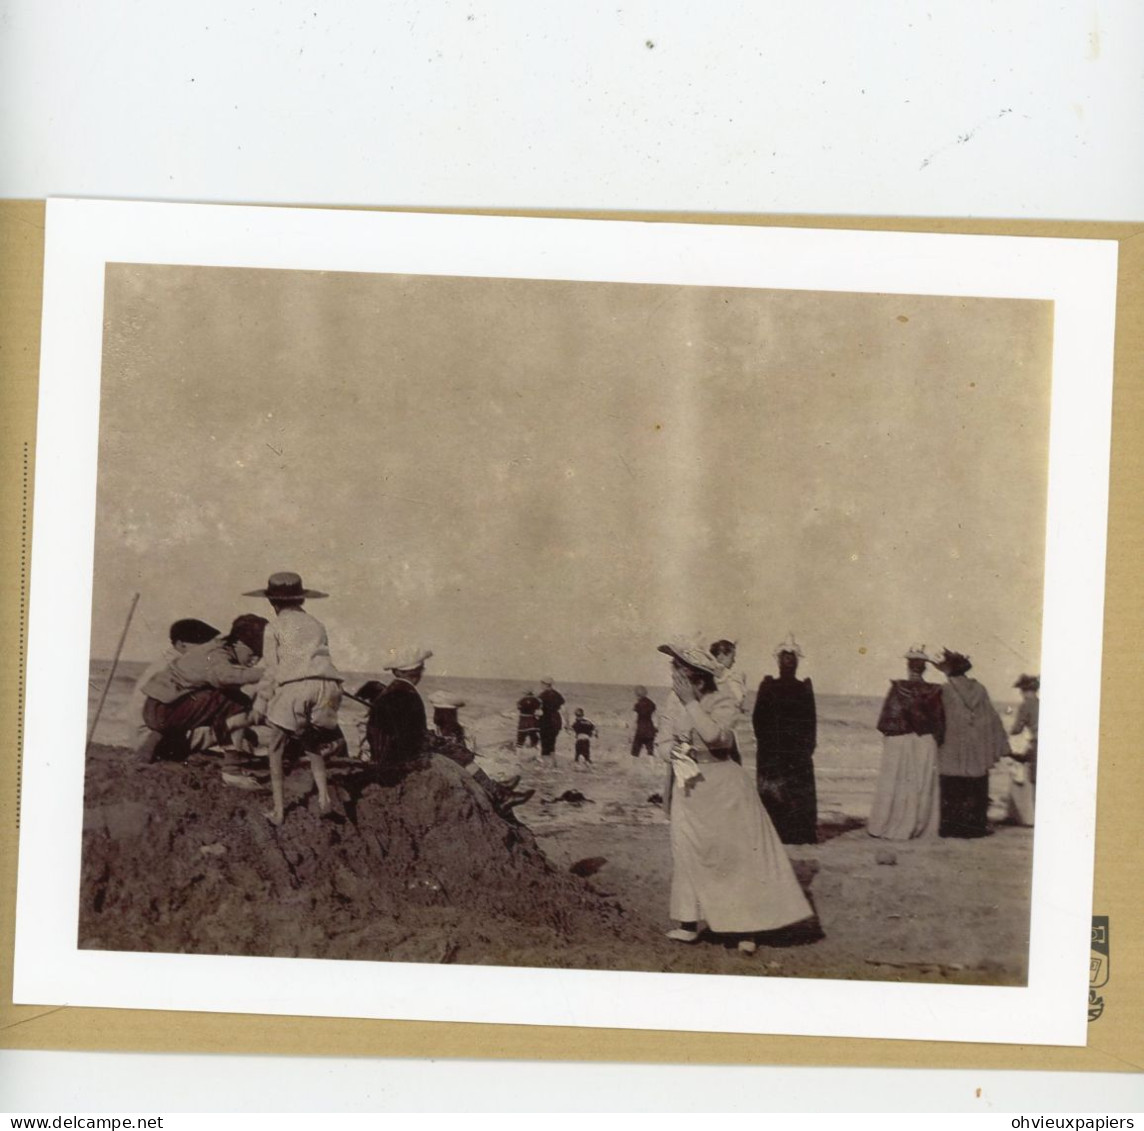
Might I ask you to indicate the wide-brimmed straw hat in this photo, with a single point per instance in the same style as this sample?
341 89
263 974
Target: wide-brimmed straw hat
285 586
693 655
444 699
917 652
406 658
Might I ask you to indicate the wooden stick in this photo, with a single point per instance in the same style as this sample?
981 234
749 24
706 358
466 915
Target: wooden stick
114 665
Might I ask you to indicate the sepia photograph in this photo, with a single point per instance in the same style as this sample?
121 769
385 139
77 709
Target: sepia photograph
647 622
461 619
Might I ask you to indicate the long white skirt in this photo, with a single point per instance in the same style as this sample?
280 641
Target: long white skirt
907 799
730 868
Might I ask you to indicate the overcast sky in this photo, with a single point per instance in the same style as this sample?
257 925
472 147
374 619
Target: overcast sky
540 478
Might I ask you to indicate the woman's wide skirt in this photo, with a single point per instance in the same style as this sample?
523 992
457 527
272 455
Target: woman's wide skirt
907 798
730 868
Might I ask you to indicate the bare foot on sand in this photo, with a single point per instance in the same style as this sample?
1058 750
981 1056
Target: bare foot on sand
276 819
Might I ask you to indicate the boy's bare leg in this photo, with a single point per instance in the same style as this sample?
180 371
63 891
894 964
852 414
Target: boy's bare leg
277 748
146 750
236 726
321 780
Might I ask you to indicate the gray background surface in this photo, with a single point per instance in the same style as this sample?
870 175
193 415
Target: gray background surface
1022 110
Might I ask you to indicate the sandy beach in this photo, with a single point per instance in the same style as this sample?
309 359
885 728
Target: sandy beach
164 845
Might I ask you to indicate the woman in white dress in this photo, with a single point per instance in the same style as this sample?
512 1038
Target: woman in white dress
907 800
730 869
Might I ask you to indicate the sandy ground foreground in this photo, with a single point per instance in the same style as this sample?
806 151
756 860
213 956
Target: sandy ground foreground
423 870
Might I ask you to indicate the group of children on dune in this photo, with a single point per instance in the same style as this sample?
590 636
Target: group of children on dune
211 689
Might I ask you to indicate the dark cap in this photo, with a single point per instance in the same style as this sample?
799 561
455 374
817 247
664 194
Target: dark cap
248 629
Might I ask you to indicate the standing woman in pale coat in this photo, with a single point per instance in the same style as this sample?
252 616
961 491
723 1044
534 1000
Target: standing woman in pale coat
974 742
730 868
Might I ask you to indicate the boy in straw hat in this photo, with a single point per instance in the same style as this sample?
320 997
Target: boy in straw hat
301 690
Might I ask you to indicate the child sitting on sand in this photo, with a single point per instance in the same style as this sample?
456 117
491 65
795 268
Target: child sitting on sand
201 687
445 720
301 691
584 730
183 634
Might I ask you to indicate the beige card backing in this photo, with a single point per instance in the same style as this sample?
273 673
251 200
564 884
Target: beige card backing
1114 1040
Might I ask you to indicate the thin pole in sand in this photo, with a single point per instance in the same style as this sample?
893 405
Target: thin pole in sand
114 665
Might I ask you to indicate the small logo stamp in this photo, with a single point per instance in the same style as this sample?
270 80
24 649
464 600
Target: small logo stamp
1098 966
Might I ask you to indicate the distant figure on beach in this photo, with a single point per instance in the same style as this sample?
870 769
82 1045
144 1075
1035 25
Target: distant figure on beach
399 738
183 634
527 724
734 683
445 720
730 869
1023 788
786 731
584 730
975 741
907 798
551 721
302 690
201 686
644 737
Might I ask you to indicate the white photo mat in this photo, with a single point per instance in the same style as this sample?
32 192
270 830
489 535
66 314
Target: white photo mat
1078 276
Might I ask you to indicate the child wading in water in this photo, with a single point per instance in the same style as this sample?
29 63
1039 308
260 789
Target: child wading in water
301 691
584 730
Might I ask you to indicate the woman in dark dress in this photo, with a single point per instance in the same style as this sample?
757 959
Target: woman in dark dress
786 727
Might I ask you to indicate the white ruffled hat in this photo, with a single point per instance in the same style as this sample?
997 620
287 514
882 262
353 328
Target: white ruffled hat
789 645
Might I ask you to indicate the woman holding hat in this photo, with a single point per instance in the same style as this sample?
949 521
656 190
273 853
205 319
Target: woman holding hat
974 742
907 801
730 869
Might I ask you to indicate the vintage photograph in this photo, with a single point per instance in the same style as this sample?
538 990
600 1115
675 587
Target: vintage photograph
523 622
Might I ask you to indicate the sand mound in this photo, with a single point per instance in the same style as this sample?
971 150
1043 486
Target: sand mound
421 870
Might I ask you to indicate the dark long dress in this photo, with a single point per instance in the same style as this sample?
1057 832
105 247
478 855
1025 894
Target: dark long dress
786 732
550 721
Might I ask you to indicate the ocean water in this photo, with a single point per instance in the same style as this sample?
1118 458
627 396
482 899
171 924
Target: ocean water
846 734
846 759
